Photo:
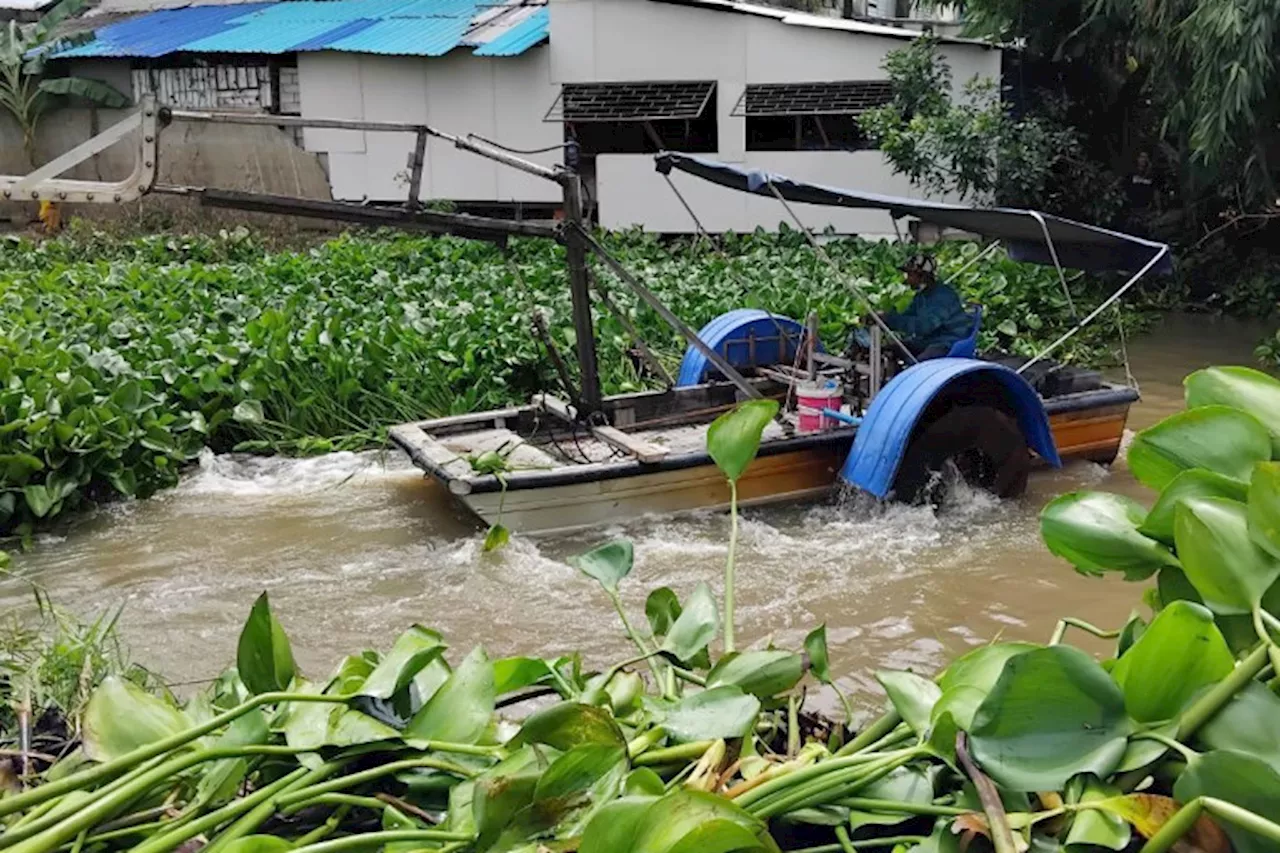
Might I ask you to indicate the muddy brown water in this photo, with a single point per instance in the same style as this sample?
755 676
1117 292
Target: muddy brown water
355 547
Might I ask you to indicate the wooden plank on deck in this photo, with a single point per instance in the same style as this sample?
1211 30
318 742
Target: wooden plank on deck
643 450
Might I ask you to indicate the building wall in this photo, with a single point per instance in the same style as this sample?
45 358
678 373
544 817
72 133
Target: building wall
625 40
502 99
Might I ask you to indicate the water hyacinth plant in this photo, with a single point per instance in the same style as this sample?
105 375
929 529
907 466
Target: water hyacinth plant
120 360
686 747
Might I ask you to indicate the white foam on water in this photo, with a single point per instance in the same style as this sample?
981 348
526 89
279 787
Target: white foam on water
258 476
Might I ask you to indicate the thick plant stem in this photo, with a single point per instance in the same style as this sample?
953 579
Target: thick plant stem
683 752
102 808
865 804
1071 622
842 838
866 844
872 733
997 820
115 767
324 829
177 836
804 774
833 787
1203 709
267 807
728 567
1185 818
287 802
377 839
793 725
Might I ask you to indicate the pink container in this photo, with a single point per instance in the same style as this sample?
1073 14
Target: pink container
811 399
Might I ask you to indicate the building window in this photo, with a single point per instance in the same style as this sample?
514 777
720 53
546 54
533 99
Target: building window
640 117
809 116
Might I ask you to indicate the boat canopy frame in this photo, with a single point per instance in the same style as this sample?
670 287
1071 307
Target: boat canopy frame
1029 236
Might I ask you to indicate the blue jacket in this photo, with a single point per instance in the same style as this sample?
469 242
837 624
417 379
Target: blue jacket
935 317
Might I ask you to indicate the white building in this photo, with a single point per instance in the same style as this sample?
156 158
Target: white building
764 87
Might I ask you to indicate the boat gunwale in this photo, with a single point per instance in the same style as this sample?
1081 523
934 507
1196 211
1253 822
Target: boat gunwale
1109 394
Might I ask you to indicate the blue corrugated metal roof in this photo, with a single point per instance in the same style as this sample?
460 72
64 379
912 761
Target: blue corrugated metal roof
404 27
531 31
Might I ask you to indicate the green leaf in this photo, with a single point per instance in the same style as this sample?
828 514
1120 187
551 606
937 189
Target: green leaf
413 650
306 724
815 647
461 709
981 667
496 538
696 626
38 499
1093 828
953 713
1195 483
615 827
662 609
902 785
94 91
120 717
223 778
1224 440
681 822
1241 388
1097 532
718 713
502 794
1179 653
1249 723
1008 327
643 782
913 697
569 724
734 438
1264 507
1241 779
1053 713
760 673
128 396
248 412
608 564
588 775
516 673
264 657
1228 570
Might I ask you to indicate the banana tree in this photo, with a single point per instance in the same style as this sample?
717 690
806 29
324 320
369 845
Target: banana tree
25 92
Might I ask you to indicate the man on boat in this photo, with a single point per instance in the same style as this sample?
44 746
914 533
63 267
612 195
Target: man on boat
936 318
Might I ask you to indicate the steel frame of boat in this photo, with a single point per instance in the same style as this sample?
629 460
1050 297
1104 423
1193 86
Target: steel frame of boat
634 467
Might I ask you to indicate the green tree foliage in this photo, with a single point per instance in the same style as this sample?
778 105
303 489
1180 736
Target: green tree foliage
973 145
26 92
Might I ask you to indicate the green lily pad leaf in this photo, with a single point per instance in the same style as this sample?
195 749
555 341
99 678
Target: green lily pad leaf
913 697
259 844
1093 828
981 667
502 796
1098 532
248 412
412 651
1195 483
1219 438
120 717
577 783
1228 570
1239 387
1142 751
222 779
1053 713
902 785
264 657
1181 652
718 713
760 673
306 724
1249 723
662 609
497 536
695 628
1131 632
953 714
815 648
608 564
461 709
734 438
1264 507
39 500
1241 779
681 822
569 724
643 782
511 674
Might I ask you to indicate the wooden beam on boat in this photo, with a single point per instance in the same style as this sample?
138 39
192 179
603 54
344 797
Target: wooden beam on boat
634 445
430 455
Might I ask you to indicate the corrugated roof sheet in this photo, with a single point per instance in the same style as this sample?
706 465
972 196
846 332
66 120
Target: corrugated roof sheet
524 35
403 27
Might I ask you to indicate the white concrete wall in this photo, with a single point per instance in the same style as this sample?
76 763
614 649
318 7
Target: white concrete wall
503 99
630 40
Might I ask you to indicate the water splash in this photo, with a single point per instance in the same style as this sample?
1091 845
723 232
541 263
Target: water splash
237 474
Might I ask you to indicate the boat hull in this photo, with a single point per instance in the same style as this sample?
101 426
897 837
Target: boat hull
1090 433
